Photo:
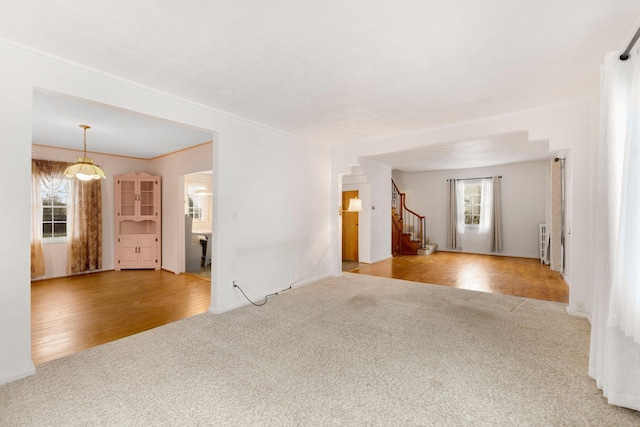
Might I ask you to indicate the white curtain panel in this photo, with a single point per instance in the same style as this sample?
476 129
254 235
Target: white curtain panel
491 213
486 206
460 207
614 360
453 239
624 305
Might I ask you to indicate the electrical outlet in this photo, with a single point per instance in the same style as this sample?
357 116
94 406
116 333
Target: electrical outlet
580 307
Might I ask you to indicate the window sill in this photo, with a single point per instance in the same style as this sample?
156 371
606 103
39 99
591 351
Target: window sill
49 240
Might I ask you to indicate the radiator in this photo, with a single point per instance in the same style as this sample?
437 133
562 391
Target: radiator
542 241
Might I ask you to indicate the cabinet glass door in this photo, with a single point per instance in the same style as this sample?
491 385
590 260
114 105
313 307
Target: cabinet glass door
128 198
147 198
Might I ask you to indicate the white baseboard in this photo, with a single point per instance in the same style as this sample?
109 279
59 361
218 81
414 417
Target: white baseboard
310 281
279 291
18 375
229 308
487 253
579 314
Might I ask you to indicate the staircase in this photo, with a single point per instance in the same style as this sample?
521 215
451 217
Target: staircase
408 229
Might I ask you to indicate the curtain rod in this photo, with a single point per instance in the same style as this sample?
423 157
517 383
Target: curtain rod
472 179
625 54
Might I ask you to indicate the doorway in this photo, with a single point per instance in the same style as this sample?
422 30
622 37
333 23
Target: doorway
198 214
349 229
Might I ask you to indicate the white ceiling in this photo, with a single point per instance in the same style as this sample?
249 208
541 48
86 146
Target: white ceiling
467 154
113 131
339 71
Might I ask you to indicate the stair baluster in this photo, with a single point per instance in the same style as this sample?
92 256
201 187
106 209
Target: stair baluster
411 228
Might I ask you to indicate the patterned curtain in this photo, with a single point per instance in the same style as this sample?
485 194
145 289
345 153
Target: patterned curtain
44 174
37 253
554 225
85 219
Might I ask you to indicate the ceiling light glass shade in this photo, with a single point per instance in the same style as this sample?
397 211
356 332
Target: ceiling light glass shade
355 205
203 192
84 170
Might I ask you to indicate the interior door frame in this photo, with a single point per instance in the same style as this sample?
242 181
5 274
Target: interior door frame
348 218
182 184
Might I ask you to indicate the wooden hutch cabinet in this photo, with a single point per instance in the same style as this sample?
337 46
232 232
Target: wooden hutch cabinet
138 221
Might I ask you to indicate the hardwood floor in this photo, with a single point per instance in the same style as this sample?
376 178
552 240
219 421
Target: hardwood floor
524 277
71 314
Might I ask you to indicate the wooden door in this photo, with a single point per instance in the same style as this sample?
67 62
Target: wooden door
349 228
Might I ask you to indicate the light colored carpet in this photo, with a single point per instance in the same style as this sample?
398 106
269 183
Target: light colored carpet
351 350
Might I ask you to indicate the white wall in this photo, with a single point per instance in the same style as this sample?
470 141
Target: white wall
271 209
379 208
273 229
15 252
524 194
566 127
172 169
373 181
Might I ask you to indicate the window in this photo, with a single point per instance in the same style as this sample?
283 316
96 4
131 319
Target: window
194 211
54 212
198 201
472 203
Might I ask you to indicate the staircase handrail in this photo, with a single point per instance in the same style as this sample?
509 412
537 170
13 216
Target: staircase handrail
404 206
412 217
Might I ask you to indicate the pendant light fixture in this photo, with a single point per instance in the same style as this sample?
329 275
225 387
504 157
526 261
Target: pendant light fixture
83 168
